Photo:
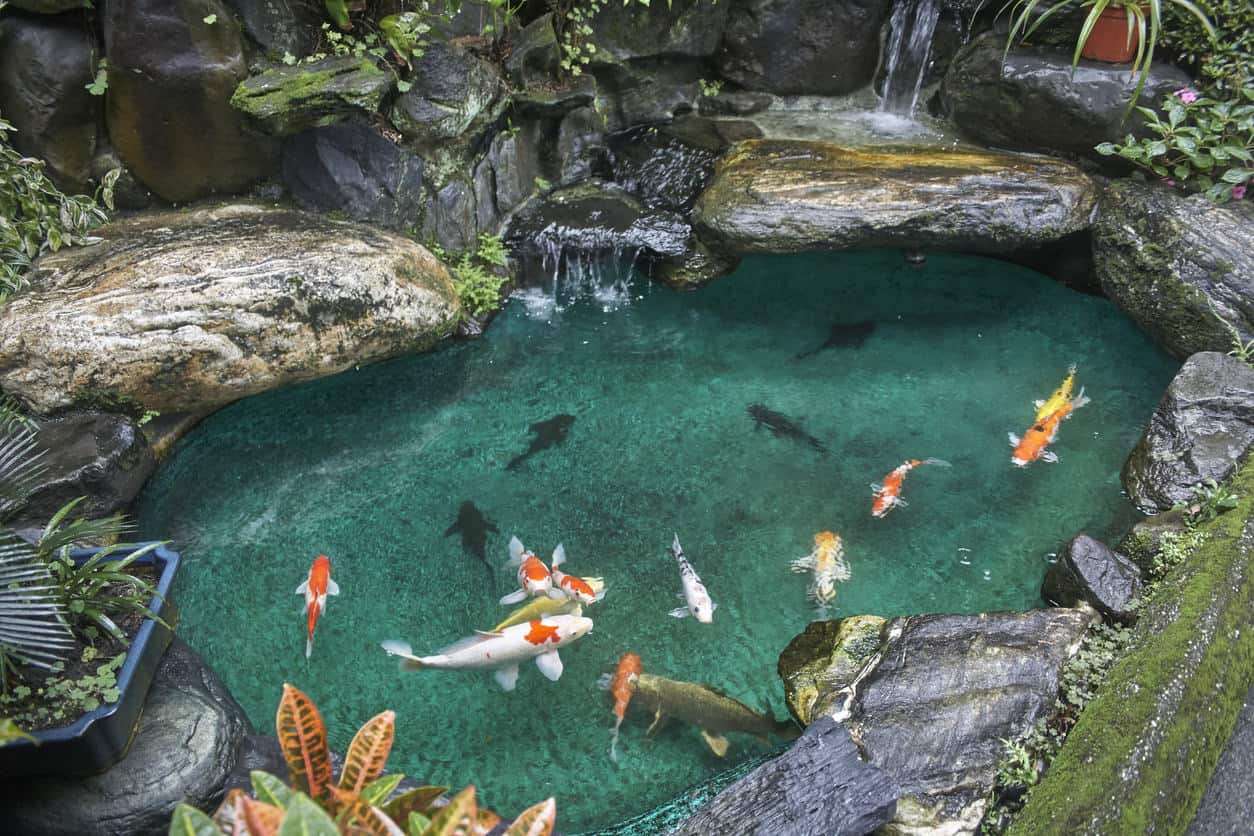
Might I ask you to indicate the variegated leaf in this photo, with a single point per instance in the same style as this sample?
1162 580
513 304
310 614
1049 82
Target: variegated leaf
368 752
303 739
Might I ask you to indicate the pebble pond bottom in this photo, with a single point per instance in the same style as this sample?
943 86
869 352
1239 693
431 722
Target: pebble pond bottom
370 467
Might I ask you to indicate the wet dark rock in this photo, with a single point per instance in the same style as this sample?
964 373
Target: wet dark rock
184 311
45 63
164 61
49 7
1228 805
581 145
788 196
187 744
660 170
286 100
715 135
1036 103
128 192
519 159
280 26
691 28
699 266
818 787
1167 259
455 97
534 56
102 457
1145 541
647 91
350 168
1090 572
1201 429
823 659
555 101
821 47
734 103
256 751
452 220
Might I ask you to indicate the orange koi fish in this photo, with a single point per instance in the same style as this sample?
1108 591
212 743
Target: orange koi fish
1042 433
827 562
576 589
888 494
534 578
316 588
621 685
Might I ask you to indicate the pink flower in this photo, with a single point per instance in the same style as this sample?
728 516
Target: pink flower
1187 95
1169 182
1238 192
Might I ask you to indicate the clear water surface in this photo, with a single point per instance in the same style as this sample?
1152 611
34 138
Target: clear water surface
370 467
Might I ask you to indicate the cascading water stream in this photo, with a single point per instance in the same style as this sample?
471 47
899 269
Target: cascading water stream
909 48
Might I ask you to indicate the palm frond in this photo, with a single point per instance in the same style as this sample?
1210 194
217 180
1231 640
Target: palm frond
32 620
20 466
12 416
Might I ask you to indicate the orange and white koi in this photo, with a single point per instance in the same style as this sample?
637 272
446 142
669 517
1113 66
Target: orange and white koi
1041 434
503 651
621 685
1060 396
316 588
534 578
575 588
887 495
827 562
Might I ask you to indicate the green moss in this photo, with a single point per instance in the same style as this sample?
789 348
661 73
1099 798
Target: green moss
286 100
1143 752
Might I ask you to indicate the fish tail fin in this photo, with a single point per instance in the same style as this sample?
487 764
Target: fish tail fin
559 555
409 662
515 551
614 745
1080 400
937 462
308 648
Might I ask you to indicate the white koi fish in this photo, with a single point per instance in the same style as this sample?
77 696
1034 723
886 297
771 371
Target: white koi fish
503 651
698 602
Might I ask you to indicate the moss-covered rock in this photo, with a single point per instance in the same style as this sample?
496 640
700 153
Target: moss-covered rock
824 658
454 98
1142 753
286 100
787 195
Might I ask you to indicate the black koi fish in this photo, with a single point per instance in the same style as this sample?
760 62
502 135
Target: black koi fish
474 528
781 426
843 335
548 433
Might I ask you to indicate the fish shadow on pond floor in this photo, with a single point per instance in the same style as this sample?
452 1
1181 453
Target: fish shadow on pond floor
474 527
843 335
547 433
781 426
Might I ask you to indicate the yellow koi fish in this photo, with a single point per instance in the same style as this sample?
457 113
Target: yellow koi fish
1061 395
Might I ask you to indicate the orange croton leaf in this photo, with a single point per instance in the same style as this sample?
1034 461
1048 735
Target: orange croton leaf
357 817
368 753
262 819
417 800
486 821
303 738
535 821
457 818
227 816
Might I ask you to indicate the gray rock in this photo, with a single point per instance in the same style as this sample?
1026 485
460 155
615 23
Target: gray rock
818 787
163 56
582 147
788 196
697 267
1227 808
534 56
1145 541
823 659
350 168
186 745
1088 571
102 457
715 135
286 100
556 100
453 221
821 47
660 170
454 98
518 159
45 65
647 91
1036 102
691 28
256 752
280 26
185 311
1200 430
48 7
734 103
1167 260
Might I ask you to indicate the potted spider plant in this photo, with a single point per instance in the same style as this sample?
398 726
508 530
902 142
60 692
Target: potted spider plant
1113 31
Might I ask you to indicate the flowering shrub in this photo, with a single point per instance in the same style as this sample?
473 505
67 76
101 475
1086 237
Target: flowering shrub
1197 143
1224 64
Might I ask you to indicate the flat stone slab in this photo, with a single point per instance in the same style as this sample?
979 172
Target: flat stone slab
776 196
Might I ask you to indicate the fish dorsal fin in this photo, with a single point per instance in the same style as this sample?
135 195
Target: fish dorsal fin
559 555
489 634
462 644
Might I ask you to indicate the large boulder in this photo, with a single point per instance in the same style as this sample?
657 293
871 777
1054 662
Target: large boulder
185 311
647 91
96 455
280 26
824 657
1087 571
659 169
350 168
1201 429
787 195
818 787
1177 264
931 705
171 76
535 54
186 745
1035 102
692 28
454 98
820 47
45 66
286 100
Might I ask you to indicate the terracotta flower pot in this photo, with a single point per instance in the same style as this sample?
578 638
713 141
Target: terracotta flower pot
1109 41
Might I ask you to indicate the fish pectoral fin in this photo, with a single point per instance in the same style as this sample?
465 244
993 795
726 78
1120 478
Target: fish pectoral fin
1038 403
514 597
604 681
657 721
899 501
515 550
557 594
679 612
717 743
803 564
559 555
304 585
452 529
550 664
333 588
1049 456
507 677
1014 439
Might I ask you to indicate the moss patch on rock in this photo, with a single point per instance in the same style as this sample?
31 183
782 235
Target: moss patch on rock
824 656
287 100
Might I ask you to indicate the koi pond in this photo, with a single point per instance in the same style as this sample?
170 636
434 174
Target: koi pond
371 468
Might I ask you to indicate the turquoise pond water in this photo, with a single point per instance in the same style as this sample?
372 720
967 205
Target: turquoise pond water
370 467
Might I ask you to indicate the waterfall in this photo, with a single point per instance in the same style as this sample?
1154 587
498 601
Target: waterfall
558 272
913 23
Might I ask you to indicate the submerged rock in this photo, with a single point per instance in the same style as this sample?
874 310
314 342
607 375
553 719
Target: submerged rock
818 786
1168 259
820 47
171 76
1034 101
45 66
286 100
185 311
1201 429
785 196
185 747
455 97
1088 571
823 659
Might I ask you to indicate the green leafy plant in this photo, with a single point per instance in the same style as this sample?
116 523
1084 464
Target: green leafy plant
477 277
59 698
1198 142
1209 500
1223 64
710 89
9 732
1144 19
12 416
100 82
1242 349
